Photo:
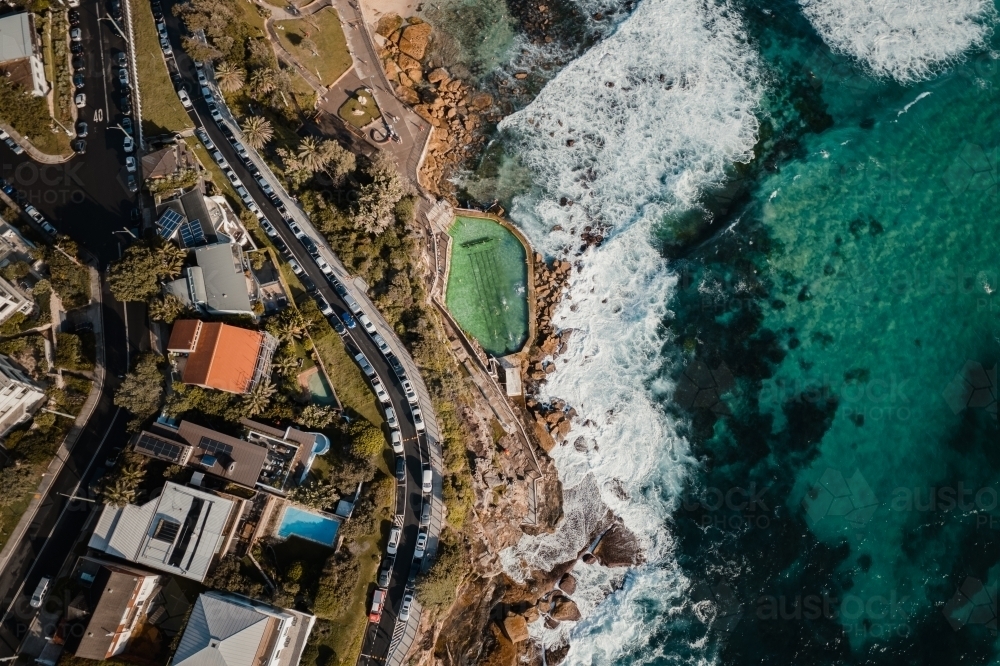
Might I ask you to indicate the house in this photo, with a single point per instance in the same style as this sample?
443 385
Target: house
194 219
179 531
118 600
218 356
20 57
230 630
171 160
13 300
19 396
267 459
219 283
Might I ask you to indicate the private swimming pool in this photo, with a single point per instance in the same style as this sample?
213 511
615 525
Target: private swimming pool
308 525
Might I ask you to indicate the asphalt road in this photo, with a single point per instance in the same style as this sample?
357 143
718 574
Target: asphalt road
87 199
378 636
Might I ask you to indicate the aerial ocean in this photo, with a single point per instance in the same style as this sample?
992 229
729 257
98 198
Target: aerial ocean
784 358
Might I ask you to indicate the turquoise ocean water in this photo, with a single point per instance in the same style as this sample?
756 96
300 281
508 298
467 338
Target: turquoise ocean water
786 352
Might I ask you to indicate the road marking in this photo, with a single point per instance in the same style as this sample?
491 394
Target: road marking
76 488
104 77
99 114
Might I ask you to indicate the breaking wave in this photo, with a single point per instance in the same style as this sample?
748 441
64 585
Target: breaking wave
909 40
625 135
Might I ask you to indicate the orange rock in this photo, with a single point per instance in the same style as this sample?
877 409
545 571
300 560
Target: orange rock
414 40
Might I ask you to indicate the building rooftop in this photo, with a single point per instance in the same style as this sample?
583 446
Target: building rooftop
227 288
179 531
110 596
224 357
233 459
15 37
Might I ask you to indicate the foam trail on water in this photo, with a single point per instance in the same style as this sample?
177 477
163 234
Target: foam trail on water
629 133
909 40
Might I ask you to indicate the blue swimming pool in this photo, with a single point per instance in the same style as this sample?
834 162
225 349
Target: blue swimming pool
308 525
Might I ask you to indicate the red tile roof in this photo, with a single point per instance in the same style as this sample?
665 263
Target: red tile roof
224 358
184 335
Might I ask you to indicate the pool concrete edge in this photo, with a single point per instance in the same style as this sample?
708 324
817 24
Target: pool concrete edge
529 256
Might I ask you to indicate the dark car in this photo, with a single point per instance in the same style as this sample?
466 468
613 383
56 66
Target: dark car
338 325
308 284
79 146
76 47
120 59
125 104
127 125
6 187
79 64
339 287
400 469
78 80
310 245
397 367
113 455
81 129
349 320
74 17
116 8
133 186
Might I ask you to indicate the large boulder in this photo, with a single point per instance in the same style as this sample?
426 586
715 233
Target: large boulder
567 583
565 610
517 628
414 40
408 95
389 24
439 74
406 63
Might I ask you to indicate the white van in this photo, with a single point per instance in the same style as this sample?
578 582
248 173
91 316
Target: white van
39 595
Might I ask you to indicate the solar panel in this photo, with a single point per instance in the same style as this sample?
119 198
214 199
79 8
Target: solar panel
166 530
192 234
216 447
158 448
169 222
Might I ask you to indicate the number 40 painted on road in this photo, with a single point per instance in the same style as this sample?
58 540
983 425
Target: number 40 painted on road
98 115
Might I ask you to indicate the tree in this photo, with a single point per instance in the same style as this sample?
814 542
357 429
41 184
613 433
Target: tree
230 77
134 276
258 400
228 575
366 440
375 208
285 365
263 81
70 354
142 391
258 131
166 309
317 495
311 154
121 486
172 258
337 160
288 325
316 416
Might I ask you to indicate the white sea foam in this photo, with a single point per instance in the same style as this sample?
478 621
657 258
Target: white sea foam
909 40
630 132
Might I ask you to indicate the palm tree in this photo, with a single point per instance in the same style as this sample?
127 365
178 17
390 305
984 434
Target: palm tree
172 259
258 131
257 400
230 77
284 365
311 154
263 81
293 324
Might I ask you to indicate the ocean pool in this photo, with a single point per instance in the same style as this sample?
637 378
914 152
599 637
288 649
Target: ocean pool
487 284
308 525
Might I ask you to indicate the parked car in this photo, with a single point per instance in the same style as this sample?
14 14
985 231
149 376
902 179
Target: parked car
79 146
418 552
48 226
425 514
127 125
385 572
382 345
79 64
76 48
353 304
390 418
296 230
268 228
393 544
404 606
396 439
80 100
418 419
396 366
6 187
185 98
428 480
74 17
133 186
221 161
207 93
324 305
123 77
310 245
113 456
129 144
202 79
380 391
265 187
295 267
39 594
338 325
130 165
125 104
13 145
400 470
348 320
244 195
81 129
411 393
215 113
78 81
323 266
378 600
366 367
367 323
203 135
121 59
165 47
338 287
233 178
75 34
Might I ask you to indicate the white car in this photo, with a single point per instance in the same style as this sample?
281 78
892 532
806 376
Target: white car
323 266
242 191
390 418
411 394
421 545
185 98
130 164
404 606
220 160
4 135
366 367
324 306
216 114
396 439
428 480
296 230
40 590
380 392
233 178
418 419
75 34
367 323
294 264
80 100
202 79
269 229
394 535
255 210
382 345
128 144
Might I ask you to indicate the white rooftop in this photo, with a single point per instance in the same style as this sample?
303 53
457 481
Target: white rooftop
178 532
15 37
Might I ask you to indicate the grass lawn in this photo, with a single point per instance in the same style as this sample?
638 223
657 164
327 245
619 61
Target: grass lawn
318 42
10 515
162 111
347 379
354 112
348 631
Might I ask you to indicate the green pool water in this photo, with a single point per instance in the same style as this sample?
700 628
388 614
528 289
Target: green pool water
320 390
487 284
